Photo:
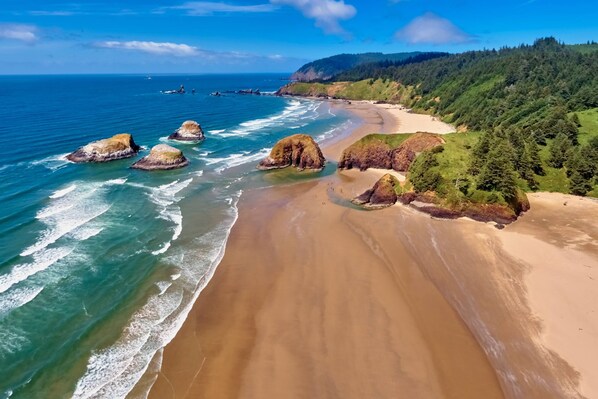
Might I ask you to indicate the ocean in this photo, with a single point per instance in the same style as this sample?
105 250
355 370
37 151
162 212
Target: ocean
100 264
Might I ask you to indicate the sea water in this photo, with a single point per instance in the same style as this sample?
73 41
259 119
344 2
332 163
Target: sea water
99 263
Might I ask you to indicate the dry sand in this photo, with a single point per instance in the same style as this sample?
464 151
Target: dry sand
315 298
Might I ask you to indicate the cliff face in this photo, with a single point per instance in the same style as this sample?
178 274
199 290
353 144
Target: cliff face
377 153
383 193
162 157
189 131
116 147
299 150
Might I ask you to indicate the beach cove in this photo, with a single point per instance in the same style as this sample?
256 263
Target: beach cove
315 298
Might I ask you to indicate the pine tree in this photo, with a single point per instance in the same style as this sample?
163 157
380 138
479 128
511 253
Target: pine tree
534 153
479 152
579 185
498 172
575 120
558 151
422 174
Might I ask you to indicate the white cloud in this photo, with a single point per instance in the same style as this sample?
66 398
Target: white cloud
202 8
326 13
25 33
432 29
179 50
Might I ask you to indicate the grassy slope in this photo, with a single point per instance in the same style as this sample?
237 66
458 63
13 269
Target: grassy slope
374 90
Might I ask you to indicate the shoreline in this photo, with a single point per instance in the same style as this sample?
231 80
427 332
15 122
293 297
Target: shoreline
233 344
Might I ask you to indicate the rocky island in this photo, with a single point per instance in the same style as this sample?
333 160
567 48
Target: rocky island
190 131
116 147
162 157
382 195
299 151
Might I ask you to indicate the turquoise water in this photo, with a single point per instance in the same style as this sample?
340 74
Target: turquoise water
99 264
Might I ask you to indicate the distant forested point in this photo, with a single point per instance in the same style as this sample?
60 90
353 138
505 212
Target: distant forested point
327 68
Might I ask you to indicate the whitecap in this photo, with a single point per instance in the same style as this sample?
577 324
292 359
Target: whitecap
16 298
61 193
41 261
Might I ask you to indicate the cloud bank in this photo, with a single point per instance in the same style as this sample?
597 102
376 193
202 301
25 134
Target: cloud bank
24 33
432 29
157 48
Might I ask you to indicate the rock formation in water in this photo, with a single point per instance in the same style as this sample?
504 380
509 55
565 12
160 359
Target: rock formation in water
189 131
300 151
383 193
375 152
162 157
116 147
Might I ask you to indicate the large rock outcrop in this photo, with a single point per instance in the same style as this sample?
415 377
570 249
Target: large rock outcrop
405 154
383 193
162 157
375 152
300 151
189 131
116 147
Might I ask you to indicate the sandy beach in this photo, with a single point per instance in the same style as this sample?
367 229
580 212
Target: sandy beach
315 298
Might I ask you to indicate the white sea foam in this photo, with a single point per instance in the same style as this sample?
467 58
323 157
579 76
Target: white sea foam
53 162
16 298
41 261
114 371
165 196
295 112
63 192
236 159
216 131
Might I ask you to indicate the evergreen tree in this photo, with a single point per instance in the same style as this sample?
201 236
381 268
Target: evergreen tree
558 151
579 185
534 153
526 169
575 120
479 152
498 173
422 172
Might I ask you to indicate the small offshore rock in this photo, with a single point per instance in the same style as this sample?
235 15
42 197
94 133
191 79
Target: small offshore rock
189 131
162 157
116 147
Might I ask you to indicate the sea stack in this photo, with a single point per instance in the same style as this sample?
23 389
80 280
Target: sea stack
383 193
162 157
300 151
189 131
116 147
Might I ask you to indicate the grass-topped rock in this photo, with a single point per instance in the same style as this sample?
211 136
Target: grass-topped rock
396 151
190 131
382 195
162 157
116 147
300 151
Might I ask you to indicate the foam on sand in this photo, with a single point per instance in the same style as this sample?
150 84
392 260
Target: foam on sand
114 371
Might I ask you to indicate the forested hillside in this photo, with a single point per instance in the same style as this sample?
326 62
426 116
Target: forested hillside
326 68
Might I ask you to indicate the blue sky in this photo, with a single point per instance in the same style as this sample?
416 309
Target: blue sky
169 36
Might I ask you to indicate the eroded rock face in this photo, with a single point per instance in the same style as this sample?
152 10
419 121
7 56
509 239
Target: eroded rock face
162 157
383 193
375 153
299 151
364 155
405 154
189 131
116 147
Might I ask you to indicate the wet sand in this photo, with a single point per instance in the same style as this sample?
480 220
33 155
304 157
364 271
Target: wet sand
315 298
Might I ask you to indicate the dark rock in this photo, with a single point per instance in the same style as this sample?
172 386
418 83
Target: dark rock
383 193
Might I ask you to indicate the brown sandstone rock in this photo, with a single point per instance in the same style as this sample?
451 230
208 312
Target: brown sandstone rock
162 157
189 131
116 147
383 193
300 151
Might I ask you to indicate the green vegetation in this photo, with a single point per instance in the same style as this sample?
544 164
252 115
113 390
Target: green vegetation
326 68
536 104
376 90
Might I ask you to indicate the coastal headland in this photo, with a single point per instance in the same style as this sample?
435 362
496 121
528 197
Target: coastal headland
317 298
